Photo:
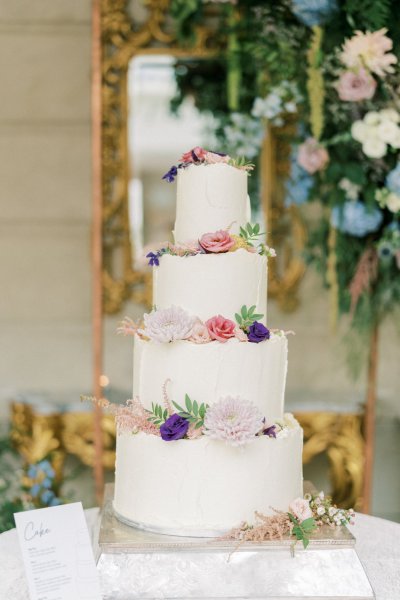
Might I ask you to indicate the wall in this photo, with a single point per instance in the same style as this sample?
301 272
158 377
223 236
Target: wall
45 200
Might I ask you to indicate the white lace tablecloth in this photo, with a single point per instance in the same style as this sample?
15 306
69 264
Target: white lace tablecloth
378 546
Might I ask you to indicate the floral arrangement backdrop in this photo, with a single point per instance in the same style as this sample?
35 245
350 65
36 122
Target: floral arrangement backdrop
331 68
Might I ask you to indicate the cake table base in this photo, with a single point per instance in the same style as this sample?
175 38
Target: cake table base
135 564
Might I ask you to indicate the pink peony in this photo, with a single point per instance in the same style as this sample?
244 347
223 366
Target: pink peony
233 420
213 158
220 328
220 241
300 508
369 50
354 87
199 333
312 156
197 154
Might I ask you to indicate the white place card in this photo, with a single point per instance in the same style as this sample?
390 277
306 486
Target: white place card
57 553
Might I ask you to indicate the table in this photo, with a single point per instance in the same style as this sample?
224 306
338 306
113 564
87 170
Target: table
378 546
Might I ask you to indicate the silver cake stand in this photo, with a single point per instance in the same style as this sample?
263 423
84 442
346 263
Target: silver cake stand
136 564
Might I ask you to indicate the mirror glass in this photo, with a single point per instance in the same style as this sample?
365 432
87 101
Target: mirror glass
157 137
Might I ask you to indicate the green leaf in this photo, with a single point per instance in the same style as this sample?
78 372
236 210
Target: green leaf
256 228
165 415
179 408
308 525
249 228
238 318
251 310
243 311
188 403
199 424
195 408
306 541
202 411
257 316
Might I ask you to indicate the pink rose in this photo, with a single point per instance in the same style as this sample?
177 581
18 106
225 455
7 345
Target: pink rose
221 329
199 333
312 156
300 508
220 241
213 158
354 87
195 155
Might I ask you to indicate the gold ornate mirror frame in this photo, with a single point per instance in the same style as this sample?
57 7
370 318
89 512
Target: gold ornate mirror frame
121 40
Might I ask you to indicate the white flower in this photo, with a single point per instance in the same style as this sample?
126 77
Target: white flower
233 420
290 107
374 148
352 189
320 510
360 131
321 495
393 202
332 511
168 324
300 508
372 118
388 131
391 114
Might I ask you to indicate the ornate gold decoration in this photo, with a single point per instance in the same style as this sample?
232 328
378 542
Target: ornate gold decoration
340 437
122 40
285 228
77 436
37 436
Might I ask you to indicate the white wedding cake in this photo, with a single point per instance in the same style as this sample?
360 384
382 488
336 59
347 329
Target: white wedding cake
205 441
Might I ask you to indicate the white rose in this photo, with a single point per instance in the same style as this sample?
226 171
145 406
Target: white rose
374 148
390 114
395 143
332 511
320 510
372 118
393 202
388 131
360 131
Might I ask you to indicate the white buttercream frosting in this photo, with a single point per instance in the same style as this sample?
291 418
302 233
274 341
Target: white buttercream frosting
210 284
210 197
203 485
207 372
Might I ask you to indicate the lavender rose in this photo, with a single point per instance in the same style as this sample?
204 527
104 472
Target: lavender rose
258 333
174 428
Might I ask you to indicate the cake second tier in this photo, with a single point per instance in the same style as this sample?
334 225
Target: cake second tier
206 284
208 372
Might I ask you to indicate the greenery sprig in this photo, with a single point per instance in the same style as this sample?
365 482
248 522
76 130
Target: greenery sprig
158 414
250 233
302 530
247 317
241 162
193 411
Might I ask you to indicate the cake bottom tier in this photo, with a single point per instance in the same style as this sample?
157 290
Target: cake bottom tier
204 487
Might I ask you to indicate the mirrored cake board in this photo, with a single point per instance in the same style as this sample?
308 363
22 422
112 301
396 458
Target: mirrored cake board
137 564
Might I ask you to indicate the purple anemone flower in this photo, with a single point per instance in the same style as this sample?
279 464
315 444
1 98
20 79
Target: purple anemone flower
174 428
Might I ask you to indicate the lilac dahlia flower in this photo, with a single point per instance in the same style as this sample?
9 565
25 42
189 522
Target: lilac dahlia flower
233 420
168 324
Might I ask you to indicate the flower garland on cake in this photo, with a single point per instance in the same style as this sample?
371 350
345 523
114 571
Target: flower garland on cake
199 156
174 324
217 242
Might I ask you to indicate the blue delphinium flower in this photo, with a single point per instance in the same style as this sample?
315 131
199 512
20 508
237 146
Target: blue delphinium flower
153 258
313 12
298 185
171 174
393 180
355 219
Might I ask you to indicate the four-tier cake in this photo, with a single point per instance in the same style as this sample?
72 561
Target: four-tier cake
205 442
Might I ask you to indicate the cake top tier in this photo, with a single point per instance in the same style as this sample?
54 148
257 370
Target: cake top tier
211 194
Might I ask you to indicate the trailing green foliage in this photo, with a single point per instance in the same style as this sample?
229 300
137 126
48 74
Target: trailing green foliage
193 411
304 529
247 317
250 233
